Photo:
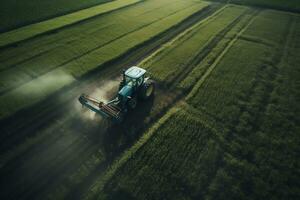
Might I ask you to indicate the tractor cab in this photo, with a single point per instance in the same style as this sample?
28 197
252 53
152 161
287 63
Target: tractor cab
134 76
131 86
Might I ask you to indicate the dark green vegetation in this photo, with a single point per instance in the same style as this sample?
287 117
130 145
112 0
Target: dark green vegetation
223 124
237 137
288 5
15 13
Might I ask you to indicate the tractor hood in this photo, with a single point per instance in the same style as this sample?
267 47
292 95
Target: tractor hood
126 91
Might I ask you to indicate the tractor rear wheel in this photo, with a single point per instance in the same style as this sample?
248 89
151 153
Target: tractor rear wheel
147 90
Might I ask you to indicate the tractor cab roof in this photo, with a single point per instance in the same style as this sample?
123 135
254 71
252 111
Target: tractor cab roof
135 72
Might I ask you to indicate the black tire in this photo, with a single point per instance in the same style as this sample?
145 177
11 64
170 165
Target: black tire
147 90
132 103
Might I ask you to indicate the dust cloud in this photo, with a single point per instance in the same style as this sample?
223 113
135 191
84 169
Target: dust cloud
105 92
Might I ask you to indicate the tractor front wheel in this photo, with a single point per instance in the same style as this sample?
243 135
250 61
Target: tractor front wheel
147 90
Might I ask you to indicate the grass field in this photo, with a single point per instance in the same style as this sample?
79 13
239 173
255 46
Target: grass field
78 54
26 12
12 38
208 149
288 5
223 123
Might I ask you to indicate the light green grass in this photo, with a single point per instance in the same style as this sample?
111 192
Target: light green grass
18 13
52 24
175 57
288 5
76 43
39 88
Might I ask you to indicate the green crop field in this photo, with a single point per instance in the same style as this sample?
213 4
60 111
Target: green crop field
288 5
217 145
79 52
18 13
223 122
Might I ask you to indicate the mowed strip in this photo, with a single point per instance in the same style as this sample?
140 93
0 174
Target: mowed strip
18 65
58 22
44 85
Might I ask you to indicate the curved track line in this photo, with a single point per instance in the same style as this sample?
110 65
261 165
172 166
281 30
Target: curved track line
181 35
218 59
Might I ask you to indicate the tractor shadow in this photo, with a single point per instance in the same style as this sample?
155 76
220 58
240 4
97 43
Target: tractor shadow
118 137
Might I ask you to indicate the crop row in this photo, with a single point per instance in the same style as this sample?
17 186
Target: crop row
240 69
230 141
50 52
66 67
34 30
265 130
178 56
173 164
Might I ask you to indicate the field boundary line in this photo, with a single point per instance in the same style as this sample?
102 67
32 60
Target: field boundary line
218 59
182 34
33 30
197 115
205 51
119 162
276 67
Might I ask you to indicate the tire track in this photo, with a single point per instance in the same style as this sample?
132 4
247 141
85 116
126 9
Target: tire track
218 59
206 50
265 78
182 36
258 119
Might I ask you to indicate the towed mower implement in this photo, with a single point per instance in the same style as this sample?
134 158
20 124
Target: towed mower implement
99 107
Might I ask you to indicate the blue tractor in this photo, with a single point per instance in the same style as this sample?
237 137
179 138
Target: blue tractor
134 86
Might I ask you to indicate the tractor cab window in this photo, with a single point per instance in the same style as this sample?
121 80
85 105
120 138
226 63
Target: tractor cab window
130 81
140 80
